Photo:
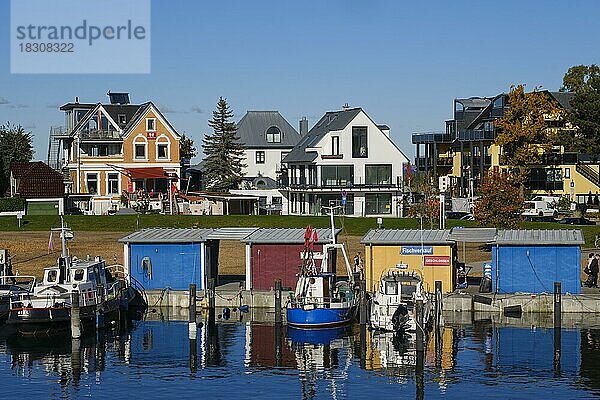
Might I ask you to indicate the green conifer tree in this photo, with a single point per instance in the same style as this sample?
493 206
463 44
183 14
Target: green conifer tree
223 151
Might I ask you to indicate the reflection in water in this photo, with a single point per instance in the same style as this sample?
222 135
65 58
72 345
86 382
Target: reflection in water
232 359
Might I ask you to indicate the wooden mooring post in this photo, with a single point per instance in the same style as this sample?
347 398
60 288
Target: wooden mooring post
100 306
438 324
75 315
192 326
363 303
211 293
557 324
419 325
278 316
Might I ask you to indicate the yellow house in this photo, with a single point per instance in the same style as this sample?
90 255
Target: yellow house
115 149
459 158
429 252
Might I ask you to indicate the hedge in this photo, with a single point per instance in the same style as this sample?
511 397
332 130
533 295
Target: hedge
12 204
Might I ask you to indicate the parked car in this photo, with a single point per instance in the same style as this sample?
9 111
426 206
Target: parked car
537 218
576 221
456 214
468 217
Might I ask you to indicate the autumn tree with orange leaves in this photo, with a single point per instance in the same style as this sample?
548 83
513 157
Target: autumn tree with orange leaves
500 203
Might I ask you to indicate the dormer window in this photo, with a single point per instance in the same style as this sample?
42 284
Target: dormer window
273 135
151 124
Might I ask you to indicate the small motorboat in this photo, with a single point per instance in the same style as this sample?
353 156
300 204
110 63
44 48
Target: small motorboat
393 304
321 300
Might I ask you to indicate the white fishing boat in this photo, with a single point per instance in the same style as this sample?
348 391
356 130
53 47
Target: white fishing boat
47 308
393 304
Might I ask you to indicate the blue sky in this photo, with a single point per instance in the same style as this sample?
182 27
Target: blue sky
403 62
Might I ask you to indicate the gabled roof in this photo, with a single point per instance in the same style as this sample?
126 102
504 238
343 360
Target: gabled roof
167 235
134 114
36 180
287 235
253 126
563 98
331 121
407 236
540 237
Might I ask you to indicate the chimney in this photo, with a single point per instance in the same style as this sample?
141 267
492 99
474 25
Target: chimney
346 107
303 126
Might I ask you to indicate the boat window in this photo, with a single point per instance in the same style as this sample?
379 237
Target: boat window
391 288
79 274
408 290
52 275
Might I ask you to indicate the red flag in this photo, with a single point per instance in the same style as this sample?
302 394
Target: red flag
315 239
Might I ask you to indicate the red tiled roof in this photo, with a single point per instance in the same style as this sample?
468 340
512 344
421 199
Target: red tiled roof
36 180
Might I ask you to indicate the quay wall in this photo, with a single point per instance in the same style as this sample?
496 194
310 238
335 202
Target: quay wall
539 303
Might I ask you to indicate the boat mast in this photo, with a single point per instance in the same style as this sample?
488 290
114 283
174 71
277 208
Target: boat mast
63 238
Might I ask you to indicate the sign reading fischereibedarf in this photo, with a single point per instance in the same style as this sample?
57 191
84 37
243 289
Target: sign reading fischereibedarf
74 36
416 250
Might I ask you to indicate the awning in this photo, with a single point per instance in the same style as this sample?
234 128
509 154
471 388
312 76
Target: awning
149 173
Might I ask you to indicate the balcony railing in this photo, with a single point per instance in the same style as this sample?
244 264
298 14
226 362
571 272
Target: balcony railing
100 135
431 137
476 135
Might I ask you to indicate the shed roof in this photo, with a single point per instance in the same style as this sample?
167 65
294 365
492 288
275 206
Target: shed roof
230 233
407 236
167 235
287 235
543 237
473 235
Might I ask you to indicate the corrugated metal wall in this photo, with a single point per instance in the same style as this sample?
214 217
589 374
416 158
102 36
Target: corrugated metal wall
276 261
534 269
174 265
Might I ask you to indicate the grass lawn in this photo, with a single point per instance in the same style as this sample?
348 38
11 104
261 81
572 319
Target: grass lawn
350 226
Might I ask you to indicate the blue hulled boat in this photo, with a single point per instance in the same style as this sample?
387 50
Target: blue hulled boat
320 299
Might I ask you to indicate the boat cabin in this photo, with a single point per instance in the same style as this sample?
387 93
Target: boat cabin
397 282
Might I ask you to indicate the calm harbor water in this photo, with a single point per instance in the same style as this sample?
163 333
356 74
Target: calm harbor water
154 358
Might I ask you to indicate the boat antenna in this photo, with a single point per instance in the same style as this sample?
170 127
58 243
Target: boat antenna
330 210
63 237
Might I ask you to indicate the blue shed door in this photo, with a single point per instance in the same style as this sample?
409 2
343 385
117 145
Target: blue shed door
171 265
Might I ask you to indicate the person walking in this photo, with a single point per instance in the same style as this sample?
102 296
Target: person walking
588 271
594 272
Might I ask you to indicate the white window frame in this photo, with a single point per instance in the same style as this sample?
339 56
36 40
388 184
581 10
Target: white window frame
143 141
85 181
154 123
567 173
168 143
108 183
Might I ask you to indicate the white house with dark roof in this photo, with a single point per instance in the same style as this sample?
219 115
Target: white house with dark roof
346 155
268 138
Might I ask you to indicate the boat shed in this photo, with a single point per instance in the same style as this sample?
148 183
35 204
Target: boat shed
273 253
429 252
161 258
530 261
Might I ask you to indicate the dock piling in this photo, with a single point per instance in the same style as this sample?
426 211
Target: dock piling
75 316
192 327
419 328
438 303
278 316
557 324
363 303
211 293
